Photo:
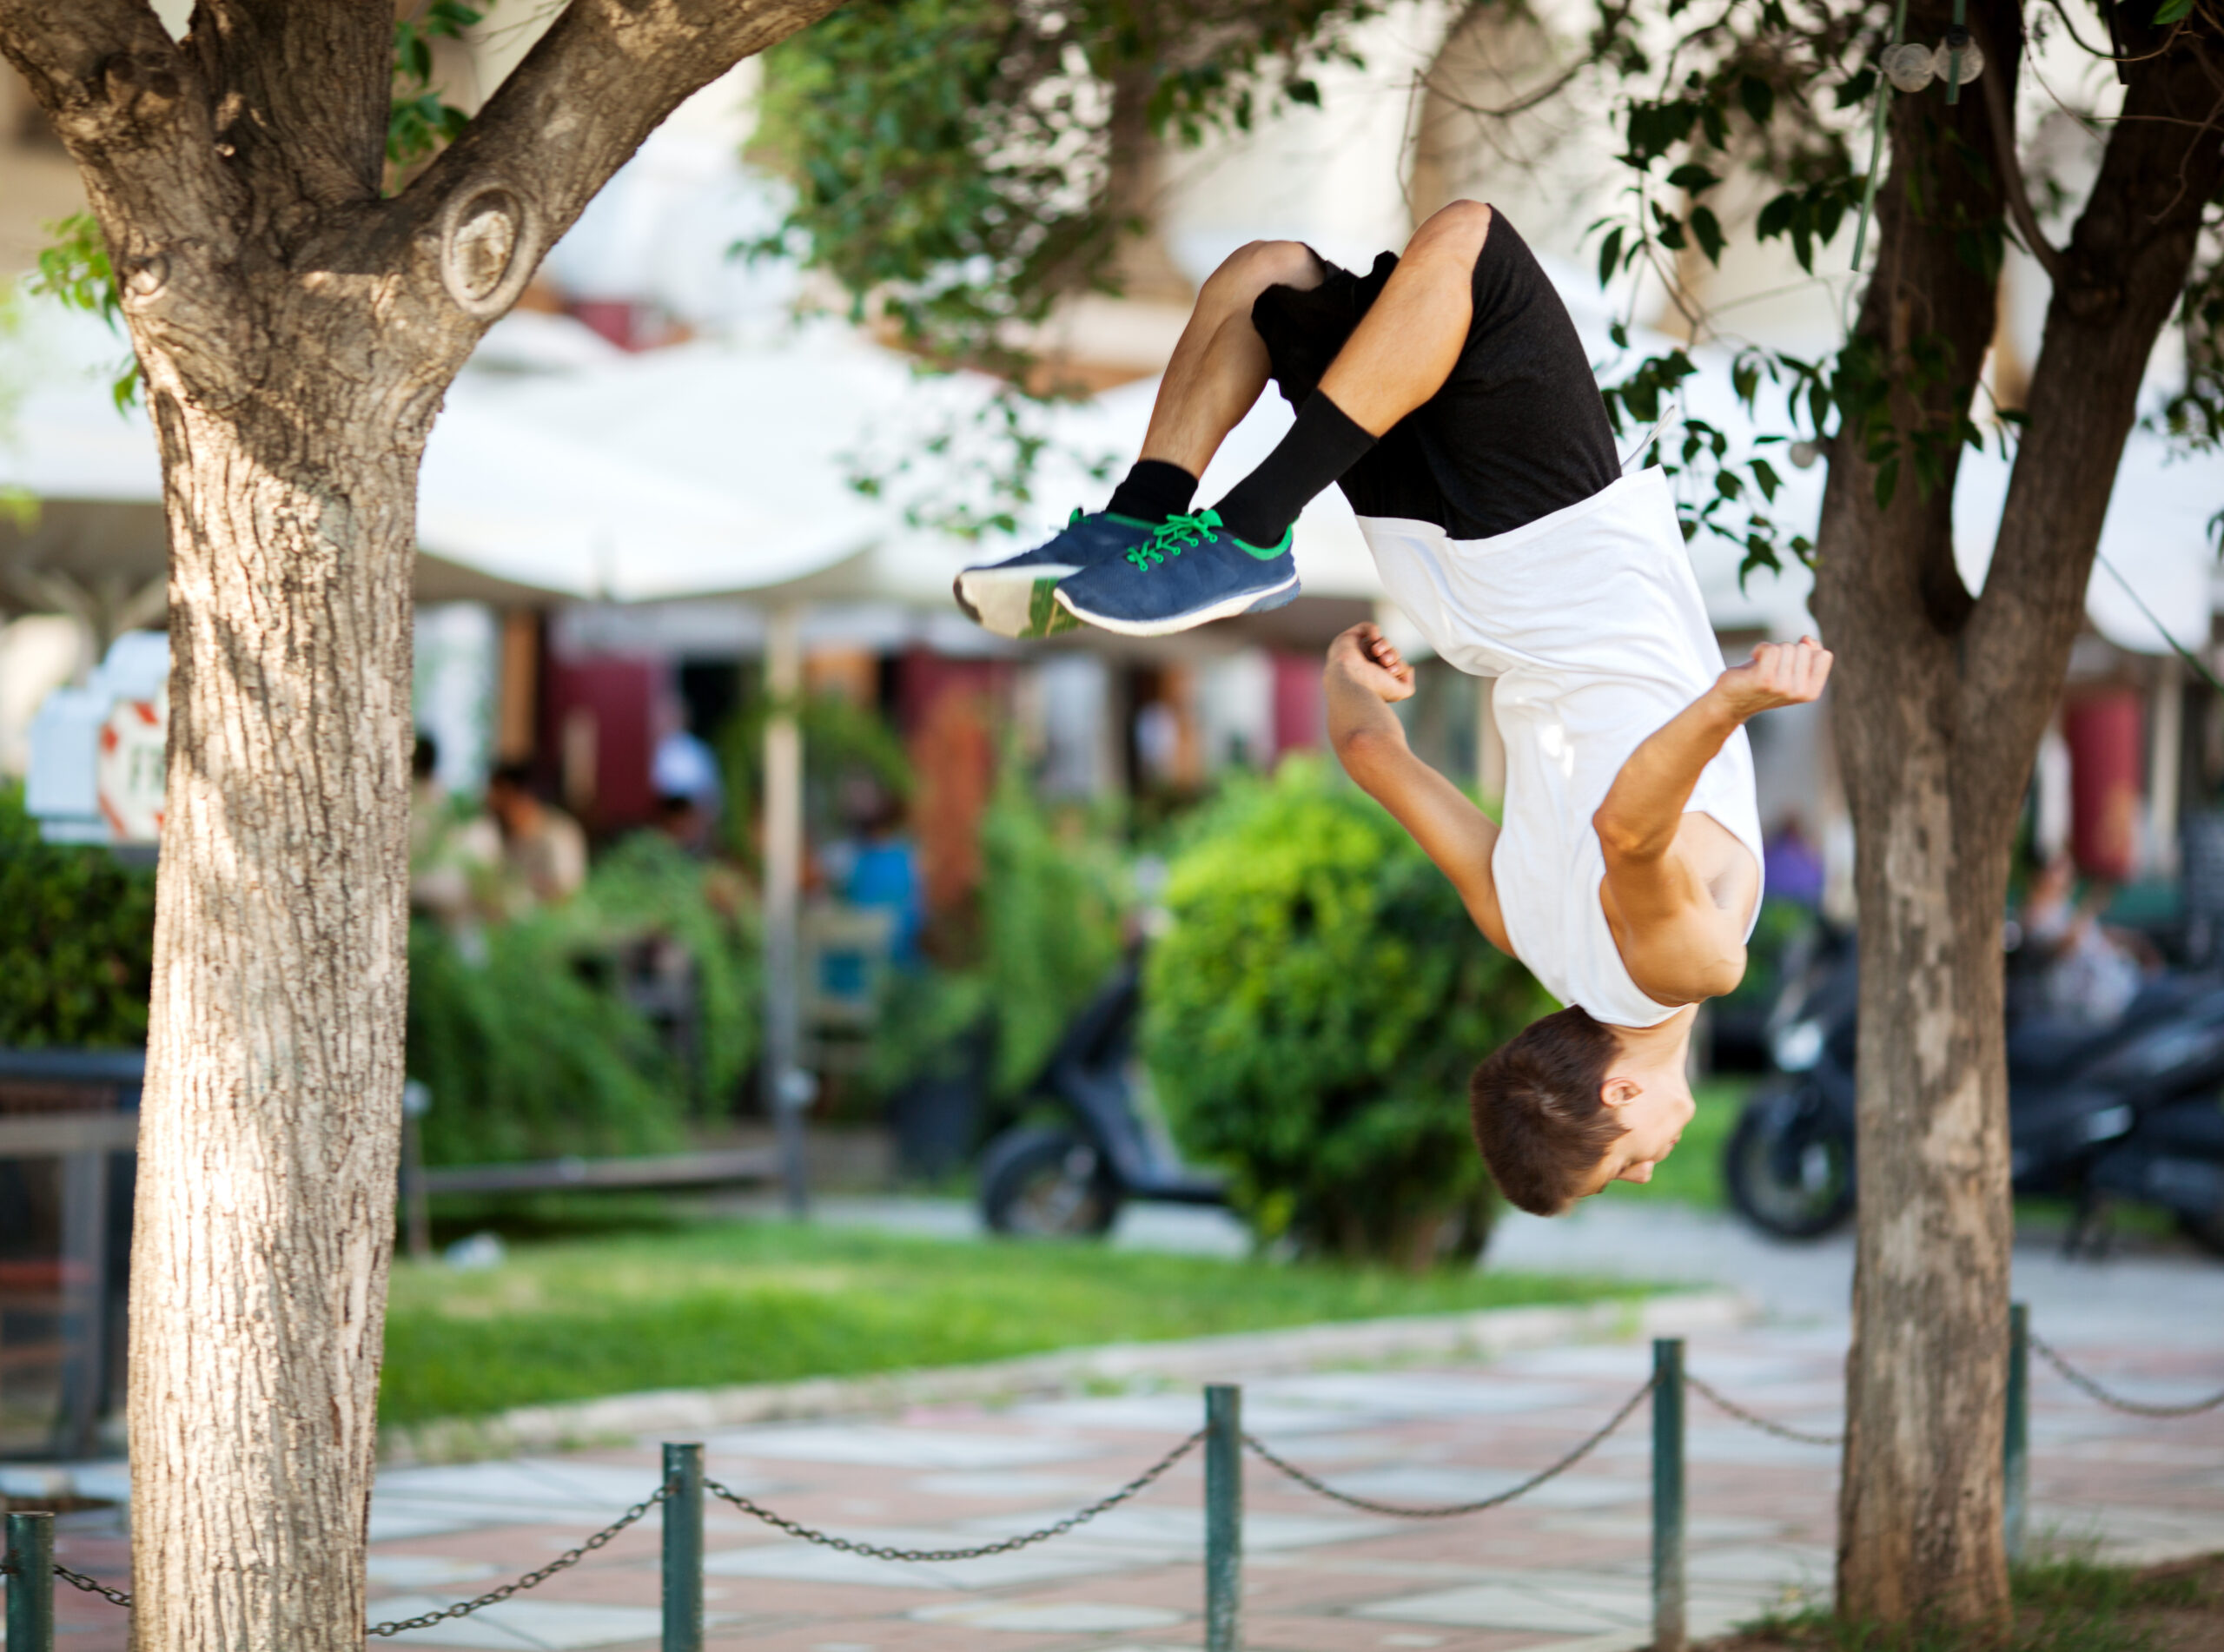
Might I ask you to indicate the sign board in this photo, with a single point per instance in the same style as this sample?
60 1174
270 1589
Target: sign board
97 750
127 772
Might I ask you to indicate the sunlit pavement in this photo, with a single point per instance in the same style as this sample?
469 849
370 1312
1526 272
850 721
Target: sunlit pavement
1564 1568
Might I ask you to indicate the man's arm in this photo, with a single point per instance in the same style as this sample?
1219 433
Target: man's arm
1364 677
1658 894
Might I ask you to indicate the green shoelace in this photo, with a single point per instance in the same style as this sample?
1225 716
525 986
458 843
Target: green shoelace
1174 536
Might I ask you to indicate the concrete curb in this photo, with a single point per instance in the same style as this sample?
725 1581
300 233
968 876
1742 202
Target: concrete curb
681 1412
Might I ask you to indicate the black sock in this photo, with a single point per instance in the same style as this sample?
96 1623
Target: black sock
1321 446
1152 490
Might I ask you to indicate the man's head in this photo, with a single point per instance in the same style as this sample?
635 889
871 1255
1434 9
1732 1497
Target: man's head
510 798
1568 1105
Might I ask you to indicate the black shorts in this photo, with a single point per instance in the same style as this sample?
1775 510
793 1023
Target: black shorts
1517 432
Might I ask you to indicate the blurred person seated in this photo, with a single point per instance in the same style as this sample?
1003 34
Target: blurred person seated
1791 867
684 770
544 849
877 864
455 851
683 819
2086 974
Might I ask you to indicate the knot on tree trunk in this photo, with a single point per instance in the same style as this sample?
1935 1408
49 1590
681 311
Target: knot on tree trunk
143 88
192 314
489 245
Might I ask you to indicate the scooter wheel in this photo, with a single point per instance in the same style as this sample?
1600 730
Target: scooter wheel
1039 1181
1788 1167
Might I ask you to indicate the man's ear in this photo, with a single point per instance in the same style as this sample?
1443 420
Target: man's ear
1619 1093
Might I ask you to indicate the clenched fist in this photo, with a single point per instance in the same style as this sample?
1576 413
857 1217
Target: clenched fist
1778 674
1363 655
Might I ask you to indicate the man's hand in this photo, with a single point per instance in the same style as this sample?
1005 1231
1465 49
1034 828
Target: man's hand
1364 656
1778 674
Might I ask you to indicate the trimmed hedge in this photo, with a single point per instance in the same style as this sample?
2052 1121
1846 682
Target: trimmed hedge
76 940
1314 1013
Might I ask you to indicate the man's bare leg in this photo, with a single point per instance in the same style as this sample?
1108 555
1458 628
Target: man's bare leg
1409 340
1219 366
1217 371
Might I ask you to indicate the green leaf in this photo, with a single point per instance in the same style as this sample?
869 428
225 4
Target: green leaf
1708 228
1888 482
1759 98
2171 12
1694 177
1610 252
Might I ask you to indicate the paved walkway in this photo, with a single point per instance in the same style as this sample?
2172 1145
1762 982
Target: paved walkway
1564 1570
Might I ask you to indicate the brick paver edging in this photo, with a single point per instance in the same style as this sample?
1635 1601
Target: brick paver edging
1258 1353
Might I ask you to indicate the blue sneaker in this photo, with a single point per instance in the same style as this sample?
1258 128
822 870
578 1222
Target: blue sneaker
1013 598
1192 571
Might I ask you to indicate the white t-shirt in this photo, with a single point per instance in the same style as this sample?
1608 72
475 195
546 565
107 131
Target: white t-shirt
1591 622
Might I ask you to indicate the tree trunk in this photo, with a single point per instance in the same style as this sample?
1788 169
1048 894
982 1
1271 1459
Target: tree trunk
1940 701
295 329
1919 1514
273 1104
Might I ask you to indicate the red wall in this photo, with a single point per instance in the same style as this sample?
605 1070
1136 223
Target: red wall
621 695
2106 738
1299 715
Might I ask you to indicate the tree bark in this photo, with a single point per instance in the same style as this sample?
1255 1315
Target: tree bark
295 333
1941 701
273 1102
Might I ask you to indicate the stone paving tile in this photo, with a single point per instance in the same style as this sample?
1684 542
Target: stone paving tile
1564 1570
557 1625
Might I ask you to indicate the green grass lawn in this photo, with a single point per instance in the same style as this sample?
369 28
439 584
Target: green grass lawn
737 1303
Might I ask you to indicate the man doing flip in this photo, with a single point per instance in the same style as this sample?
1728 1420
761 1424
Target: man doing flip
1448 395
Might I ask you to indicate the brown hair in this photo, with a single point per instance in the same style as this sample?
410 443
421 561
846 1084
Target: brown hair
1537 1113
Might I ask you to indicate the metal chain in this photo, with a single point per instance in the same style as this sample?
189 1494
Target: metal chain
2080 1380
877 1551
1404 1511
92 1586
569 1557
1722 1401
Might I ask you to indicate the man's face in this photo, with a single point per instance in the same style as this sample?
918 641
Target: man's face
1653 1110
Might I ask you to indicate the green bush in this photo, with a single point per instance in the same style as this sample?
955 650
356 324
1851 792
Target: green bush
1053 907
1313 1014
76 940
529 1049
1054 896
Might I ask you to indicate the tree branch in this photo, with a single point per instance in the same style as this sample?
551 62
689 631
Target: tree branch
136 114
106 73
2124 271
2002 120
592 88
301 93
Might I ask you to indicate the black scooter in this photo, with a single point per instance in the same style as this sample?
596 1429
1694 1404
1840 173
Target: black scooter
2129 1112
1068 1179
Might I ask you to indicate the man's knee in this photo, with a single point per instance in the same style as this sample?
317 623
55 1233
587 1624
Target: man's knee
1456 231
1254 266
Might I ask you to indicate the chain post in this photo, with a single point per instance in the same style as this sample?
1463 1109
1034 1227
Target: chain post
683 1549
30 1583
2016 1453
1668 1494
1223 1517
